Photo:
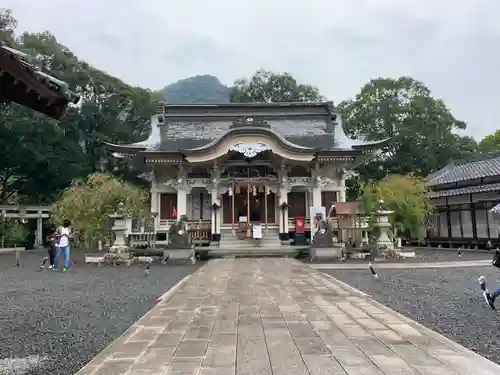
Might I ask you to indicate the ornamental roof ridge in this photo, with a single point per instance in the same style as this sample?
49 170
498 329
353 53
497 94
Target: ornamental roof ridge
250 121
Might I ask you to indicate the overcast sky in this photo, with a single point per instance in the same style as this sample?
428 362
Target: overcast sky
336 45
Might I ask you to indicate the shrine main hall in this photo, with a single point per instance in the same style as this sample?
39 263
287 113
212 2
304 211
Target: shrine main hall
232 166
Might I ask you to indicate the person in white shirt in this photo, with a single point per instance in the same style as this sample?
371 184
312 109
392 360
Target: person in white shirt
63 236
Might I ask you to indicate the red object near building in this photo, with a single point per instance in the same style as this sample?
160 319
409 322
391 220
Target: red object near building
174 213
299 225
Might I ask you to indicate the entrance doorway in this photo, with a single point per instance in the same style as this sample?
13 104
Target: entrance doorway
249 205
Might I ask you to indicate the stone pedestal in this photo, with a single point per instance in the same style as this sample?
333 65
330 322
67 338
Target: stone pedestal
333 252
323 246
384 243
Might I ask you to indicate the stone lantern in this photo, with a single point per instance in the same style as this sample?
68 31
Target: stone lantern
119 229
384 243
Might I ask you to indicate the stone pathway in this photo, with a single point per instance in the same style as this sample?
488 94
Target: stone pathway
387 265
278 317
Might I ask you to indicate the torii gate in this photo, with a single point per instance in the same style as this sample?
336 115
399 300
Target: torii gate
28 212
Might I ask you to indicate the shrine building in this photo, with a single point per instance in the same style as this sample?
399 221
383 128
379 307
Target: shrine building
465 195
229 165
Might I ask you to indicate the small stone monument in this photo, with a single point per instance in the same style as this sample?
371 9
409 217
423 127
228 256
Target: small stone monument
384 243
324 243
179 242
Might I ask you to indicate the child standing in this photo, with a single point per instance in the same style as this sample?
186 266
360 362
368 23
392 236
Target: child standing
52 247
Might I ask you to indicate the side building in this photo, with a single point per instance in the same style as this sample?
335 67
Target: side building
229 166
463 195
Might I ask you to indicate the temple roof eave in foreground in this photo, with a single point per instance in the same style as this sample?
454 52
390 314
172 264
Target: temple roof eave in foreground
31 87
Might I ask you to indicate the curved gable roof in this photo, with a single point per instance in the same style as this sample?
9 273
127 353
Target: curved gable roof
251 130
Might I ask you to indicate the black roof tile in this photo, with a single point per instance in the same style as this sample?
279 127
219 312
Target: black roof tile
487 166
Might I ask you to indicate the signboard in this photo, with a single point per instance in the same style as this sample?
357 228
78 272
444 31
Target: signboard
299 225
257 232
314 213
243 219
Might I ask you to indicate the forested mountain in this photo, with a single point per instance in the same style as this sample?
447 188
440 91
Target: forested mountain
203 89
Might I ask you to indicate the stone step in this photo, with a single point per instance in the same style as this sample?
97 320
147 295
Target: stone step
247 251
248 245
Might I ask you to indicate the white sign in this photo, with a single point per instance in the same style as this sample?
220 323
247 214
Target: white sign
250 150
257 232
243 219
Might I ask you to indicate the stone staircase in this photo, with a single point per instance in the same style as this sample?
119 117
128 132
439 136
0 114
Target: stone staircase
268 245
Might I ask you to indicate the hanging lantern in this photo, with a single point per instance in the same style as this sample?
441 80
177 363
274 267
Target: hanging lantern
174 213
254 191
230 192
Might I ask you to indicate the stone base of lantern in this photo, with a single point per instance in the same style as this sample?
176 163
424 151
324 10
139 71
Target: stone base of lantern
385 247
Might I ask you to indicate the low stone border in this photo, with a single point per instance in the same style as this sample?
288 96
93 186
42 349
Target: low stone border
94 259
357 266
450 249
438 337
8 250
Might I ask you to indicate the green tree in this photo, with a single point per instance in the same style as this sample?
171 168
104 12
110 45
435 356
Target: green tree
268 87
88 205
406 196
41 156
13 233
421 127
8 25
491 142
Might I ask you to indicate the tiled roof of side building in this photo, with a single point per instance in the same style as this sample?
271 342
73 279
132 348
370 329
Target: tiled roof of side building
487 165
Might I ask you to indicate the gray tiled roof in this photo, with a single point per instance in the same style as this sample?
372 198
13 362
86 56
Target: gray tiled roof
184 134
465 190
487 167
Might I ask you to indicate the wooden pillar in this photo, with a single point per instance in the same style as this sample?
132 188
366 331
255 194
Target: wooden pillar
265 204
472 208
233 186
448 220
461 224
487 223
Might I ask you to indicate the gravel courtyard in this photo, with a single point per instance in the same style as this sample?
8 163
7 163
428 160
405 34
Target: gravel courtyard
447 300
58 322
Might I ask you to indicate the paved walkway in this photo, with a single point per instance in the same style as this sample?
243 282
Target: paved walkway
278 317
387 265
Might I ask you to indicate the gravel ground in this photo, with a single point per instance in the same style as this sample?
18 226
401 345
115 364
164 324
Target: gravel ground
447 300
62 320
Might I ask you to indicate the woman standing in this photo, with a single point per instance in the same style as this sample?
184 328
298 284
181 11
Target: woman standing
63 237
